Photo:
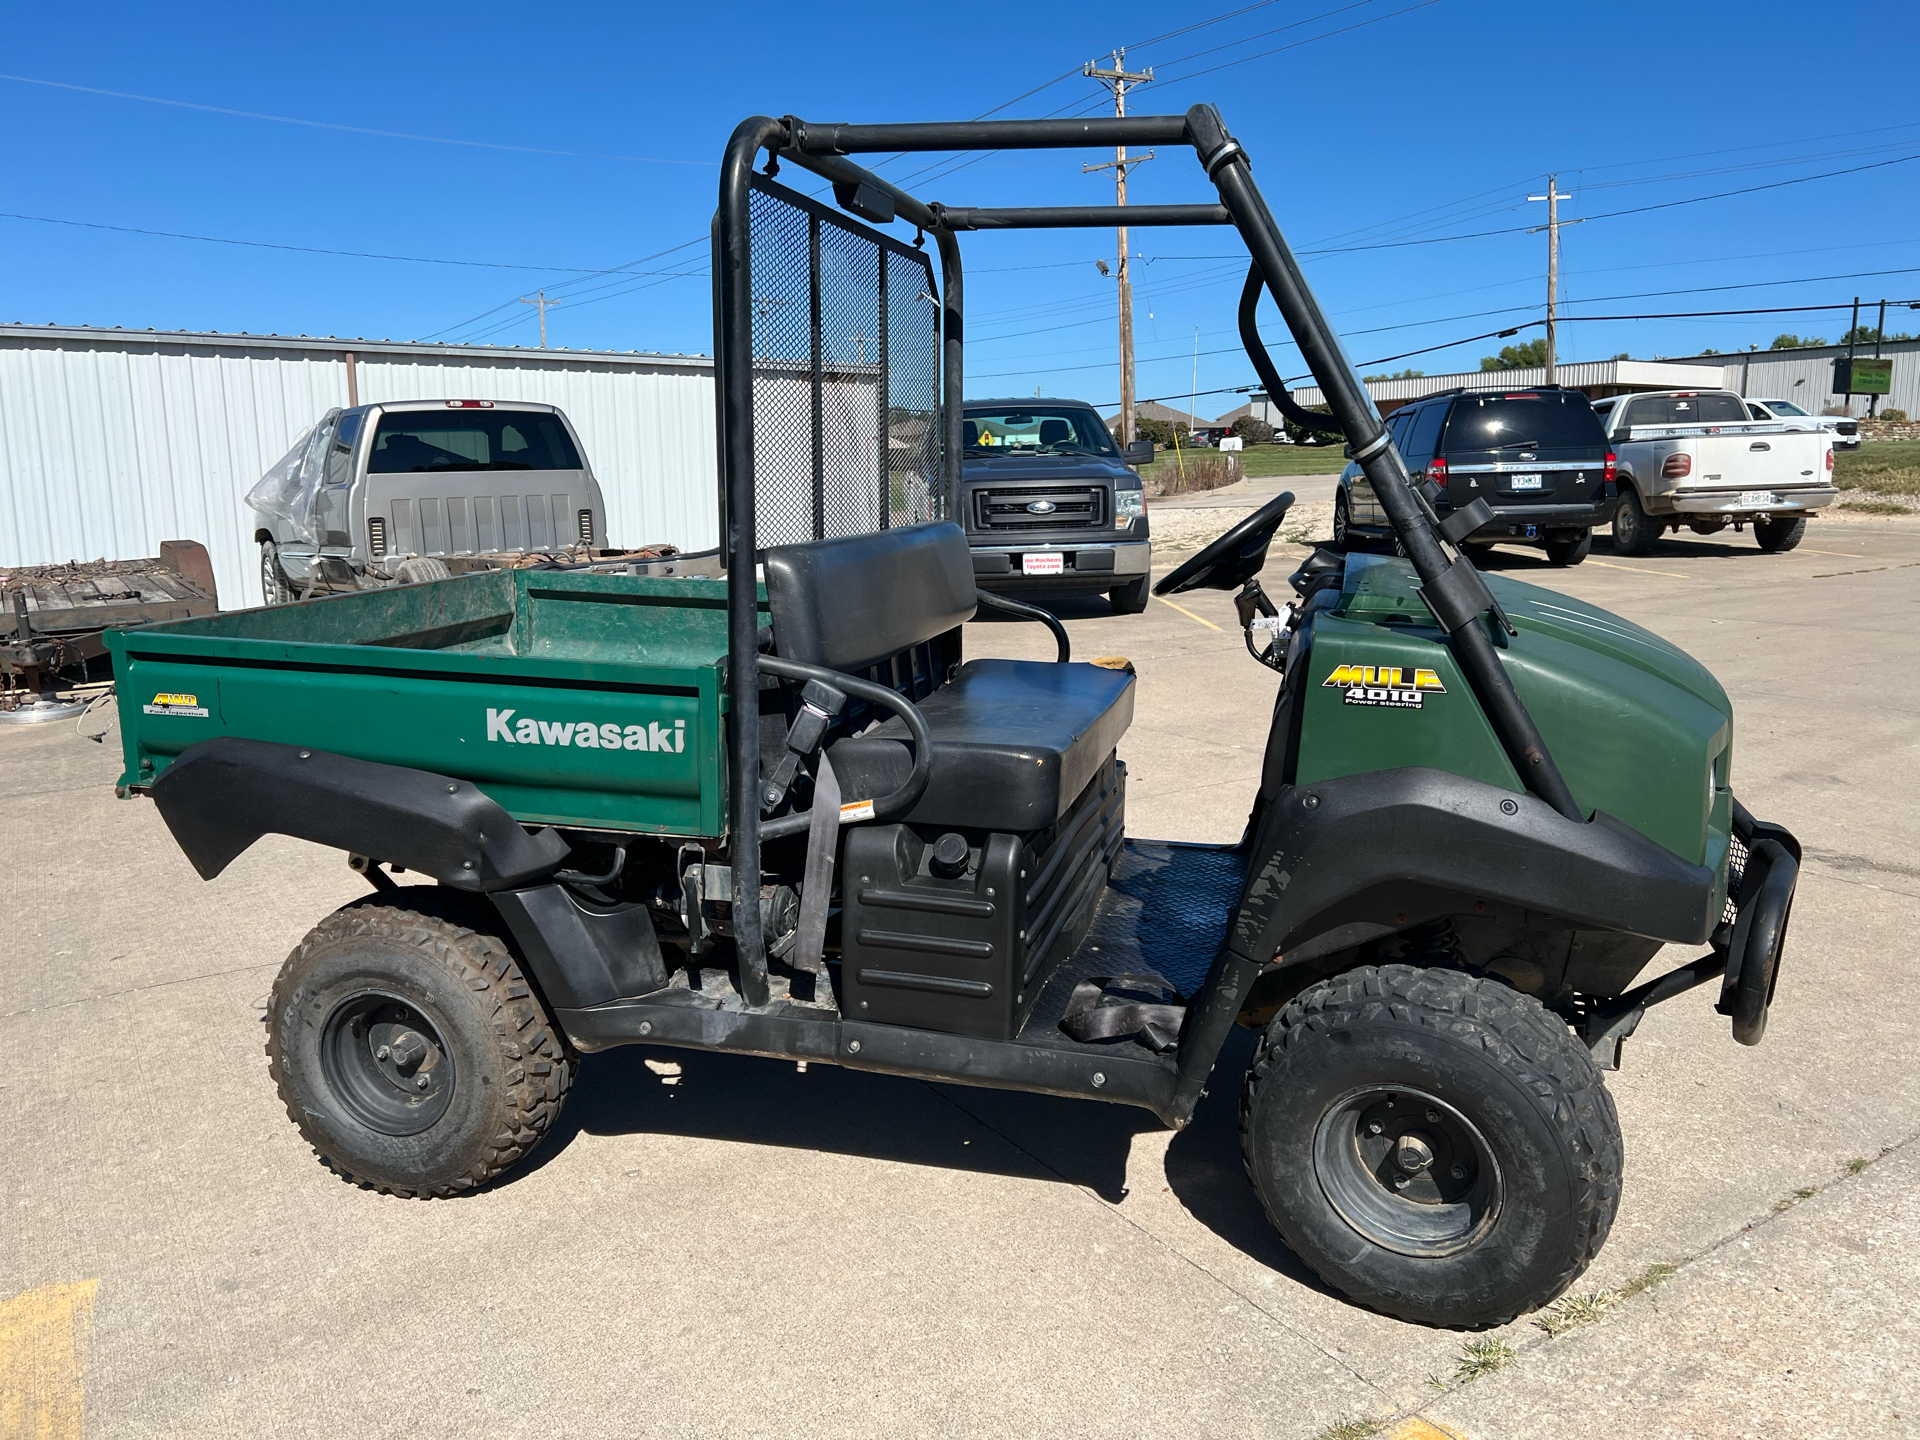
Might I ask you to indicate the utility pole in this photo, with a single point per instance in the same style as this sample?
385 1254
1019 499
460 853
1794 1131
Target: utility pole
1553 197
543 302
1118 79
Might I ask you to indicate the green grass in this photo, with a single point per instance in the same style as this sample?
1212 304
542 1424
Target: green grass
1261 460
1482 1357
1359 1429
1883 467
1856 1165
1647 1279
1570 1312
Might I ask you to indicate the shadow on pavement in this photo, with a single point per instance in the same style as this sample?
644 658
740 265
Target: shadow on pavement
1207 1175
754 1101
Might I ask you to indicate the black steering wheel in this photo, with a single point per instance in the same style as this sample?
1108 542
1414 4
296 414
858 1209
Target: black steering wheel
1236 557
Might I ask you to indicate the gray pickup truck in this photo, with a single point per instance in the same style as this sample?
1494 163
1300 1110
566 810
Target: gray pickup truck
1050 502
420 490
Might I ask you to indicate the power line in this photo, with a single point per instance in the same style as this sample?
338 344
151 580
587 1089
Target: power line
348 129
303 249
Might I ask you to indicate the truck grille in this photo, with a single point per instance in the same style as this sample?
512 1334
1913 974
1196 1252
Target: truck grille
1074 507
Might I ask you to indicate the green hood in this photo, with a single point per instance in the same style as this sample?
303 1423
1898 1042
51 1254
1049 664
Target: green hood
1639 728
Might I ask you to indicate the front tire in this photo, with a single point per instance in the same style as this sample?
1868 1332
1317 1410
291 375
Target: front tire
1131 599
1634 531
1436 1146
410 1051
1776 537
1570 552
275 588
1342 521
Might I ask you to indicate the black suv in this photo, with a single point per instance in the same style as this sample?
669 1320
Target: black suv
1048 501
1538 456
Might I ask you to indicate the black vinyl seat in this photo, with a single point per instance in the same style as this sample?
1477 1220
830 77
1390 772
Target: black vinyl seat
1015 741
1014 744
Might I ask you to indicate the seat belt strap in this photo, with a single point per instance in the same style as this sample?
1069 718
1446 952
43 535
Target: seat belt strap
816 887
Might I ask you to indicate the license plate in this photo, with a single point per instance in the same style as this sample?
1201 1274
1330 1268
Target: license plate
1523 482
1045 563
1758 498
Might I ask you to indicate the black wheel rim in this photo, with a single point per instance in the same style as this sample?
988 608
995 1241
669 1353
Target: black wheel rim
1407 1171
1340 519
270 575
386 1064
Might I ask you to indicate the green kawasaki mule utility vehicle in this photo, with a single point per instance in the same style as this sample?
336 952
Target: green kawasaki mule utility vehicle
782 814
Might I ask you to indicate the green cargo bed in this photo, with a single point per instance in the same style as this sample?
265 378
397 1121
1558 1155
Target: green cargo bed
570 698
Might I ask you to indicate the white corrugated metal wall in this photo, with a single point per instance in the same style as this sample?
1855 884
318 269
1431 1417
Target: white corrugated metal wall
111 442
1806 376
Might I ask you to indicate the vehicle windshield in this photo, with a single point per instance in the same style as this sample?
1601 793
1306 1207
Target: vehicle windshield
1686 410
409 441
1036 430
1549 420
1783 407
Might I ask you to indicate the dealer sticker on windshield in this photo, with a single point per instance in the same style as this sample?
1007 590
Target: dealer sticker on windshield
169 704
1387 685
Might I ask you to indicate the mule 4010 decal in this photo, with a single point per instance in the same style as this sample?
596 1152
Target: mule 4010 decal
1387 685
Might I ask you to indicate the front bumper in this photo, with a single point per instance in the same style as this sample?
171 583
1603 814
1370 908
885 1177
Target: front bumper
1098 565
1763 870
1734 502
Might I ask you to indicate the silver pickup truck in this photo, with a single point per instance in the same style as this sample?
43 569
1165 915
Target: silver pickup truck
1694 458
420 489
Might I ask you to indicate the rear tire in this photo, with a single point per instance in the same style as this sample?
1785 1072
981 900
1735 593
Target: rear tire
379 997
1131 599
1776 537
1342 521
1570 552
1436 1146
1634 531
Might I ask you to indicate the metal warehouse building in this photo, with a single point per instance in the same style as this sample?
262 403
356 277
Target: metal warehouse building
1806 376
112 441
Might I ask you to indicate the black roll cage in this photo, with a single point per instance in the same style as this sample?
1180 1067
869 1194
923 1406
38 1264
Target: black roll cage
1450 586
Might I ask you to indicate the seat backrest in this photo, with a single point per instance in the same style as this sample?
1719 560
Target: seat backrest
1055 432
969 434
852 602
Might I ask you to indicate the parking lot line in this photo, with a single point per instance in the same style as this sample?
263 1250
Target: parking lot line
1188 613
43 1347
1843 554
1610 565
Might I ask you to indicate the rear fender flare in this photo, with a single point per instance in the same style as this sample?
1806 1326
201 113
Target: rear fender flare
223 794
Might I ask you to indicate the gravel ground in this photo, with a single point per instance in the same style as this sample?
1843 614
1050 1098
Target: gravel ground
1178 531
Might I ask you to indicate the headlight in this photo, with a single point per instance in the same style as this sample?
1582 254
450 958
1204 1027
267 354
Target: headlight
1128 506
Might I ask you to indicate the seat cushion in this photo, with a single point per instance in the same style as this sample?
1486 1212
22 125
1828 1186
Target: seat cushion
1014 743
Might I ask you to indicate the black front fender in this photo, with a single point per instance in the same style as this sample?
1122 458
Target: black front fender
1325 852
223 794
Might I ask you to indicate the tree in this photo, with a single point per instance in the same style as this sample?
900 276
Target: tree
1253 431
1623 355
1523 356
1397 375
1300 435
1158 431
1790 341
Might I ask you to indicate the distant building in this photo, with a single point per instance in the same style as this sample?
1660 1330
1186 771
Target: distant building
1805 376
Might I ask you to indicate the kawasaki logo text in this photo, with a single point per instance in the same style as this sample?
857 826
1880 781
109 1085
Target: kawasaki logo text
586 734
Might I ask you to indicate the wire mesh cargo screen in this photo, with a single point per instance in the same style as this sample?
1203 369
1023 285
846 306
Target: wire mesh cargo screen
841 387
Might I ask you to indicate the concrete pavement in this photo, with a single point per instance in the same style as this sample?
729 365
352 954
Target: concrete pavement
721 1245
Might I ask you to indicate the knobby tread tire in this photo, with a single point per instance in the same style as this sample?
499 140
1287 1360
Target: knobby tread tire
535 1063
1516 1033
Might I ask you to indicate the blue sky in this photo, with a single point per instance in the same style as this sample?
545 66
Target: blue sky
594 130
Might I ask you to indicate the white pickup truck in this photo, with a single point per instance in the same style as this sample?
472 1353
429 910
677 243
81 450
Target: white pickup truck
1693 458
